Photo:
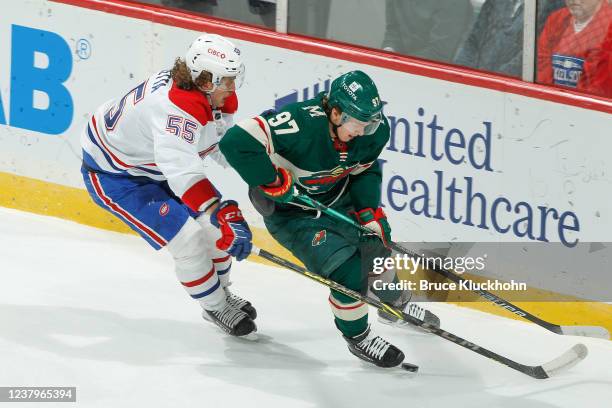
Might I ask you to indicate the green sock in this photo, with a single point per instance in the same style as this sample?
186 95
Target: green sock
349 275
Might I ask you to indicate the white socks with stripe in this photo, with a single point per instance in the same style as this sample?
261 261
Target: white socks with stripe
348 311
194 267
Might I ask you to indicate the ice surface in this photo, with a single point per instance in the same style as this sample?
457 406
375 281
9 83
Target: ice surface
103 312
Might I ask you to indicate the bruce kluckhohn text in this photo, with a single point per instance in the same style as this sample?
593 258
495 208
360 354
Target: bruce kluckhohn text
424 284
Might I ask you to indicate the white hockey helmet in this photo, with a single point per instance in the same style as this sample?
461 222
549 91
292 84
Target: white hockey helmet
217 55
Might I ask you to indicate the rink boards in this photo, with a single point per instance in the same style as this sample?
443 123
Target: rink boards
531 162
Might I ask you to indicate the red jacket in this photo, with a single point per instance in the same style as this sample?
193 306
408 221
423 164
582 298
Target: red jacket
602 78
570 59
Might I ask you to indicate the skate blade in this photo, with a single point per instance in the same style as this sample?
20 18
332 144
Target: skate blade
249 337
403 325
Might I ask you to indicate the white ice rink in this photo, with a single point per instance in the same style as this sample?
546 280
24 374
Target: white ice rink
103 312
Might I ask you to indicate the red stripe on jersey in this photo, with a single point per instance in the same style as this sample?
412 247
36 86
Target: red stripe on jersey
115 207
198 194
203 153
200 280
263 127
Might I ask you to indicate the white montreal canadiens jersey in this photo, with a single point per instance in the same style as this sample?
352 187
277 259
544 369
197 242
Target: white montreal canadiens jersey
162 132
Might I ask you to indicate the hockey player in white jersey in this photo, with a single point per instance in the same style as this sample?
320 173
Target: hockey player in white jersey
143 161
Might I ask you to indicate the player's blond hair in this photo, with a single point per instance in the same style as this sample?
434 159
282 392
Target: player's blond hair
182 76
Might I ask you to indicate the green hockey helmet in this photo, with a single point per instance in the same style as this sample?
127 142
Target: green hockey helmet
355 94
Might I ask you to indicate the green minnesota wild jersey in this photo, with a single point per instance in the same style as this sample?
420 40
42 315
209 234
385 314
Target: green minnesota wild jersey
298 139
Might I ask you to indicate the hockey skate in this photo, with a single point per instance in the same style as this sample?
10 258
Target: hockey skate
374 349
233 321
240 303
403 303
411 309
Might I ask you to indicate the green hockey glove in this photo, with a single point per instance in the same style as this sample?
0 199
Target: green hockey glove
375 221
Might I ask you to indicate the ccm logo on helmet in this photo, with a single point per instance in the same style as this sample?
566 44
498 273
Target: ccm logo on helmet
216 53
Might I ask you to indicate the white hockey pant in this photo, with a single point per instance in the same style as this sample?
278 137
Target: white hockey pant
200 266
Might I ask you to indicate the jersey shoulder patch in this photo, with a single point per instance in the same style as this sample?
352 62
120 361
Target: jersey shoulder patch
193 102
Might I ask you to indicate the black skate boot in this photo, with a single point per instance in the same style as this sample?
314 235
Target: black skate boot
374 349
231 320
240 303
412 309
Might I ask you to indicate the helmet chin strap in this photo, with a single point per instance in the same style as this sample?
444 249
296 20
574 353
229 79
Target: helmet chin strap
207 92
333 125
335 129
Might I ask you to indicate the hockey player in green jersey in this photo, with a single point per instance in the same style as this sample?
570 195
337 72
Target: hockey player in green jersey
327 148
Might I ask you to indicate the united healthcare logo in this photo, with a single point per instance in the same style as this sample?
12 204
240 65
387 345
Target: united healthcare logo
40 64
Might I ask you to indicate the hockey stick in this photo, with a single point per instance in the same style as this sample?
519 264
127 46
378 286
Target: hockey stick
587 331
565 361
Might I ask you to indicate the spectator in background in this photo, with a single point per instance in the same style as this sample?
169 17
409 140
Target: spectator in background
602 79
429 29
570 47
495 42
259 12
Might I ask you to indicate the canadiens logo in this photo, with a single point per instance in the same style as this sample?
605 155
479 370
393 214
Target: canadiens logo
319 238
164 209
